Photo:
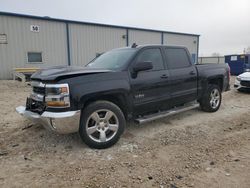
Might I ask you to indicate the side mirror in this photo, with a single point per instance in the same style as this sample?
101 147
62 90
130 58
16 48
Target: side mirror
142 66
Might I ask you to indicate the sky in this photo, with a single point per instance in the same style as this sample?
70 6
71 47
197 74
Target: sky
224 25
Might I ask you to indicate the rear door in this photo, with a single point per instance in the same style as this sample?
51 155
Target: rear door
150 88
183 75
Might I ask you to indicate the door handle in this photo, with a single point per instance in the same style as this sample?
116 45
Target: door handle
164 76
192 73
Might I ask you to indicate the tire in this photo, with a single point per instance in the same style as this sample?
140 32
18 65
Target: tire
211 100
240 90
101 124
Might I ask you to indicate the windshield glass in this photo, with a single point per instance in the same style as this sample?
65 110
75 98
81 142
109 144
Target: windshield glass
112 60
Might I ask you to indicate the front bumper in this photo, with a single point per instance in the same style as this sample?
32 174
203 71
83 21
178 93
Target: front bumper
238 84
60 122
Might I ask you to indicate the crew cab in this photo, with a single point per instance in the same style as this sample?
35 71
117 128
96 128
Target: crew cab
140 83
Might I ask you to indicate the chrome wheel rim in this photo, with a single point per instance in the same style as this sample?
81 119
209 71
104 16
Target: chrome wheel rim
215 98
102 125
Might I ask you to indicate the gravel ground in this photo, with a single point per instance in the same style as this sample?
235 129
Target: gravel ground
192 149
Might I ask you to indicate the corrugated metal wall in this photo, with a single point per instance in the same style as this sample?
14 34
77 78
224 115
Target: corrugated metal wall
191 42
144 37
87 41
50 40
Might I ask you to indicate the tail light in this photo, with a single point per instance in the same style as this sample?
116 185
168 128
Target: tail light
229 73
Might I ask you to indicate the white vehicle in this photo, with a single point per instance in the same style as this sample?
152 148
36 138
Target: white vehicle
242 81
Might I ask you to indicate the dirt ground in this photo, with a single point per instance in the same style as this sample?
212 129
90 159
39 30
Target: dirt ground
192 149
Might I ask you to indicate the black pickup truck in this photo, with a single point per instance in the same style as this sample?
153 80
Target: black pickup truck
140 83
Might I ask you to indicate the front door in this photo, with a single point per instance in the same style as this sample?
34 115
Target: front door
150 88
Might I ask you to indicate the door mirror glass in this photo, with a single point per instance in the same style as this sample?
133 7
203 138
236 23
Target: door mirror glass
143 66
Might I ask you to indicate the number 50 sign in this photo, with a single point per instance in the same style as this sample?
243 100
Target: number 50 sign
34 28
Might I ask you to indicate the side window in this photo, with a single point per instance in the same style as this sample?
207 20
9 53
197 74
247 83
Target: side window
35 57
152 55
177 58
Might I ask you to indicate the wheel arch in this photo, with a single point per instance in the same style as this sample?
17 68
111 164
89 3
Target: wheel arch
216 81
118 98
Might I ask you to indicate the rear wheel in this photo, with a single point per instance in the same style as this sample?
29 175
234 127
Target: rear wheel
211 100
102 124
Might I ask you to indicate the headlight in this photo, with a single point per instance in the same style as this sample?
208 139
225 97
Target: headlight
56 90
238 78
247 70
57 95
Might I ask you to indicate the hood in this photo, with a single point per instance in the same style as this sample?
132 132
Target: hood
245 76
54 73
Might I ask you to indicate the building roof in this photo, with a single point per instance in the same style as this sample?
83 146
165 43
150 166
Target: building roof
89 23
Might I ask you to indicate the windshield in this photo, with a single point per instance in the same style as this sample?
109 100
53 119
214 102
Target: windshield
112 60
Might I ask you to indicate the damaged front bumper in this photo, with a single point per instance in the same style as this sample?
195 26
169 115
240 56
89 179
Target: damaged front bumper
60 122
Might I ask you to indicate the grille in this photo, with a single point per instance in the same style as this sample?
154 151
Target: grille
34 106
39 90
245 83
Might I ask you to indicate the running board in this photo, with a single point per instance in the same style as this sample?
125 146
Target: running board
162 114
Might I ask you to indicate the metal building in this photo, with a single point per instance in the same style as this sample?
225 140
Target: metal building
32 41
217 60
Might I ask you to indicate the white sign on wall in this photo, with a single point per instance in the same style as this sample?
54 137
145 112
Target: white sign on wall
35 28
3 39
234 58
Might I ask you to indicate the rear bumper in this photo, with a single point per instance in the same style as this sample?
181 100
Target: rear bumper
61 122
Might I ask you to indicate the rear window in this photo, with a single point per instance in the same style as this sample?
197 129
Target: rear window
177 58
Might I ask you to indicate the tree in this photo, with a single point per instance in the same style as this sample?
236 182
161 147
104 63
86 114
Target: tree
247 50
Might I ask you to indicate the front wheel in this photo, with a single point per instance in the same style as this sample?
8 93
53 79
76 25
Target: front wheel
211 100
102 124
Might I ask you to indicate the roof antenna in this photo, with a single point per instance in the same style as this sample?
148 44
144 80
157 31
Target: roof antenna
134 45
